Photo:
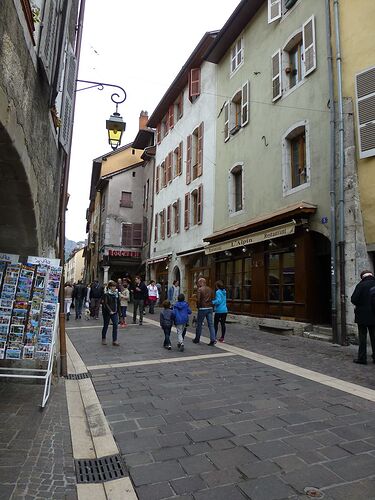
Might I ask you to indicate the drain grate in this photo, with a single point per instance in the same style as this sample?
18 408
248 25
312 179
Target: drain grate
77 376
99 470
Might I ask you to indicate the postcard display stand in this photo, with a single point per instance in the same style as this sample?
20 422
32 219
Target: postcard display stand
28 318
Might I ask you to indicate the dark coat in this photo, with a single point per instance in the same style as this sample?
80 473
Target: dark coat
140 291
362 301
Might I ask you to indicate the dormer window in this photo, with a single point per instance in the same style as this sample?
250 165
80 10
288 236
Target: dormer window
236 55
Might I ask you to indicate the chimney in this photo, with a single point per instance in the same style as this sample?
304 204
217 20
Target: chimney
143 119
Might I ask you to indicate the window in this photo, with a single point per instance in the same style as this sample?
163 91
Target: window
168 170
296 164
295 61
162 224
147 193
169 222
171 116
163 175
180 106
236 189
145 230
236 55
126 199
236 111
194 83
177 160
365 93
176 215
187 211
281 277
131 235
197 205
156 228
237 277
157 180
194 161
278 8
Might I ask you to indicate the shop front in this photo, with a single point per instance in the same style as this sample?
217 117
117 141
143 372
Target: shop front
120 262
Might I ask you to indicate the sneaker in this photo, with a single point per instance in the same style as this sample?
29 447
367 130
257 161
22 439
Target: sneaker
115 343
178 345
104 342
221 339
195 341
182 347
212 343
359 362
169 347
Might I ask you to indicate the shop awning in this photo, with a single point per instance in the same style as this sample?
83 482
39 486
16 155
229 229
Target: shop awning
156 260
297 210
192 251
251 238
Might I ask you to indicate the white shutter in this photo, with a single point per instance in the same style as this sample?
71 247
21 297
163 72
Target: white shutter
309 48
274 10
245 101
48 37
226 121
66 127
365 92
276 75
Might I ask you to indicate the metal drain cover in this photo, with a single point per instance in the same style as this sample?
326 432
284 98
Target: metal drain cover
312 492
77 376
99 470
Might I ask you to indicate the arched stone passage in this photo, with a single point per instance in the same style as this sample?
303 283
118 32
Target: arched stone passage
18 227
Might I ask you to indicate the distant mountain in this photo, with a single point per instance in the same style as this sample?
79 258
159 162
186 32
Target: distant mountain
70 245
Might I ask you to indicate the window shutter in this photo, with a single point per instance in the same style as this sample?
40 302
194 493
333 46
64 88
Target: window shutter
170 165
226 121
156 228
158 133
245 100
180 105
177 221
169 210
126 240
194 83
276 75
200 150
200 204
274 10
365 92
309 49
171 116
166 163
157 181
163 224
163 175
137 235
179 159
188 159
187 211
48 37
65 132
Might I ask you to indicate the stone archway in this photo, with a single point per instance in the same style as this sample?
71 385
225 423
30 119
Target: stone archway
18 226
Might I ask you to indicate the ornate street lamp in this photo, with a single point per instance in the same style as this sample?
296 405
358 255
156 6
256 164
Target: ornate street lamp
115 124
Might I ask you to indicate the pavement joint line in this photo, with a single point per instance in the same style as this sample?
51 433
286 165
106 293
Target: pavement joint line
158 361
90 433
335 383
93 326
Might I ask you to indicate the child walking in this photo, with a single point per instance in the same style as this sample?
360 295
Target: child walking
166 322
221 309
124 300
181 311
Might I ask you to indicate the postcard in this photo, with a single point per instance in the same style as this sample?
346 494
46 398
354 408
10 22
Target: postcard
2 353
13 353
28 352
41 355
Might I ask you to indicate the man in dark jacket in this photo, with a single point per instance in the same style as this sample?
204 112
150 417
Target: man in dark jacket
364 315
79 295
96 296
140 294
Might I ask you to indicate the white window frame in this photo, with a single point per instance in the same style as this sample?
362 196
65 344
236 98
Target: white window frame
281 12
241 52
286 159
285 60
231 190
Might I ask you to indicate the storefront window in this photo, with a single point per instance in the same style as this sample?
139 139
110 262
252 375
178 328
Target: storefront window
237 278
281 277
247 279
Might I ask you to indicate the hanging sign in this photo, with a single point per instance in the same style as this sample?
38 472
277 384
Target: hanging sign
43 261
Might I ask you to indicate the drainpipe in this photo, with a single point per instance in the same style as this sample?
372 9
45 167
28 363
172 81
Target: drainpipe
341 241
332 181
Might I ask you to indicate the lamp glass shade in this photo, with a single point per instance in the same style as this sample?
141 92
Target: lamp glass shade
115 126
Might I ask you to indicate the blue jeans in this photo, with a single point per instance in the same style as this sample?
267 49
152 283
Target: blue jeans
107 318
205 313
78 305
167 336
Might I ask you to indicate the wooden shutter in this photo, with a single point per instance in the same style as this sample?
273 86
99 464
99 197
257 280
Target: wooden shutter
179 159
365 93
126 240
245 100
157 181
309 49
276 75
137 235
180 105
194 83
188 159
156 228
274 10
48 37
169 210
187 211
170 165
66 127
167 170
226 121
163 175
162 224
158 133
177 219
200 150
171 116
200 204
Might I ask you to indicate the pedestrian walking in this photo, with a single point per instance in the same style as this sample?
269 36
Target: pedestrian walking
174 292
166 322
140 294
220 308
110 310
205 310
79 295
124 301
68 294
181 312
362 298
153 296
95 298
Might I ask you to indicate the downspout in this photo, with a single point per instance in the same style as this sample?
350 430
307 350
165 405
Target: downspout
341 240
332 170
63 203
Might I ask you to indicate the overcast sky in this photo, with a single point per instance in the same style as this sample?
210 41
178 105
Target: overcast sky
141 46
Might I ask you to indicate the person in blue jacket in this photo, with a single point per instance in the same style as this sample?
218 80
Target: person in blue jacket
221 310
181 311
